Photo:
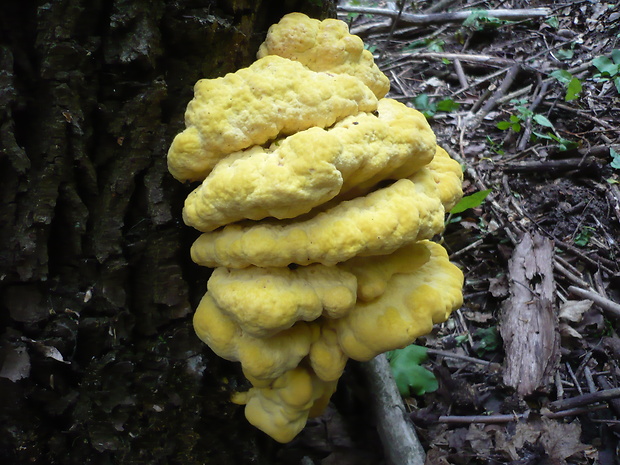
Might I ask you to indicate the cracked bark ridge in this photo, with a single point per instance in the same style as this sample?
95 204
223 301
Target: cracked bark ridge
529 322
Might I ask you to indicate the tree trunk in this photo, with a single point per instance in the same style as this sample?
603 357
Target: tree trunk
99 362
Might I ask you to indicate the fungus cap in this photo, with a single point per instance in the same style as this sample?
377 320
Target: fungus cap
272 96
324 46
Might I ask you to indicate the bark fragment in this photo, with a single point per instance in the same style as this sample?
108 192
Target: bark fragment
529 322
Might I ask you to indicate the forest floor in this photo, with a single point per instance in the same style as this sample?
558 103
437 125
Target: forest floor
531 108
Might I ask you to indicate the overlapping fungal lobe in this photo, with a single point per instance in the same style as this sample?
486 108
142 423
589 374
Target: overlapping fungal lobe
272 97
318 198
305 170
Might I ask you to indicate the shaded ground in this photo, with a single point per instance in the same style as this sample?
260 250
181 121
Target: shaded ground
551 172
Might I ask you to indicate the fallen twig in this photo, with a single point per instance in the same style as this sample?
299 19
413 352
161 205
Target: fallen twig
508 418
585 399
400 442
547 166
598 299
476 119
454 17
525 137
487 59
466 358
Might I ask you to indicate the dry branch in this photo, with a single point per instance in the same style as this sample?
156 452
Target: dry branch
399 439
585 399
603 302
455 17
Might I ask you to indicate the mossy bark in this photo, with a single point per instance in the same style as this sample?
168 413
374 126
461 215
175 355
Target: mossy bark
99 363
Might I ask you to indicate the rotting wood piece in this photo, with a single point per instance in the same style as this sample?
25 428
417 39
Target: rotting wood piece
529 322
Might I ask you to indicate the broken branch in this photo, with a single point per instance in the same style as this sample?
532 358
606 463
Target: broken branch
454 17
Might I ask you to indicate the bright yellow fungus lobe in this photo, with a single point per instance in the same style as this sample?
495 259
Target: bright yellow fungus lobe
317 200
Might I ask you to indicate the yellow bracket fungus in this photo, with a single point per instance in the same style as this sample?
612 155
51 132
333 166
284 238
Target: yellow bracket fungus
317 203
306 169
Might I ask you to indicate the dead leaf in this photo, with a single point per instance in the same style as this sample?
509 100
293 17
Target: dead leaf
481 442
568 331
573 310
48 351
561 440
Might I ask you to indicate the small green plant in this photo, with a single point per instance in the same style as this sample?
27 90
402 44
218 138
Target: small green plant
410 376
573 85
514 123
496 147
522 114
609 68
553 21
432 45
486 340
563 144
565 54
479 20
429 108
370 48
582 239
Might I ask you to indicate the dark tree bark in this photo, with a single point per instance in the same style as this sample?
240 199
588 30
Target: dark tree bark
99 362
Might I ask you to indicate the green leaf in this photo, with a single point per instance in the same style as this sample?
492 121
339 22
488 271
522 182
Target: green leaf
562 75
563 144
540 135
410 377
448 105
503 125
573 85
543 121
563 54
553 22
605 66
436 45
583 238
573 90
617 83
470 201
424 105
615 162
487 340
615 56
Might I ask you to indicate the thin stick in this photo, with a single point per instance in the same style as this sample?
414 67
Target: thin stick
487 59
400 442
585 399
454 17
508 418
466 358
458 67
476 120
387 41
566 164
525 137
603 302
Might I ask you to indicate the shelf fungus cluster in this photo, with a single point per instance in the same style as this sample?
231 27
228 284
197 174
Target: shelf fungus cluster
317 203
